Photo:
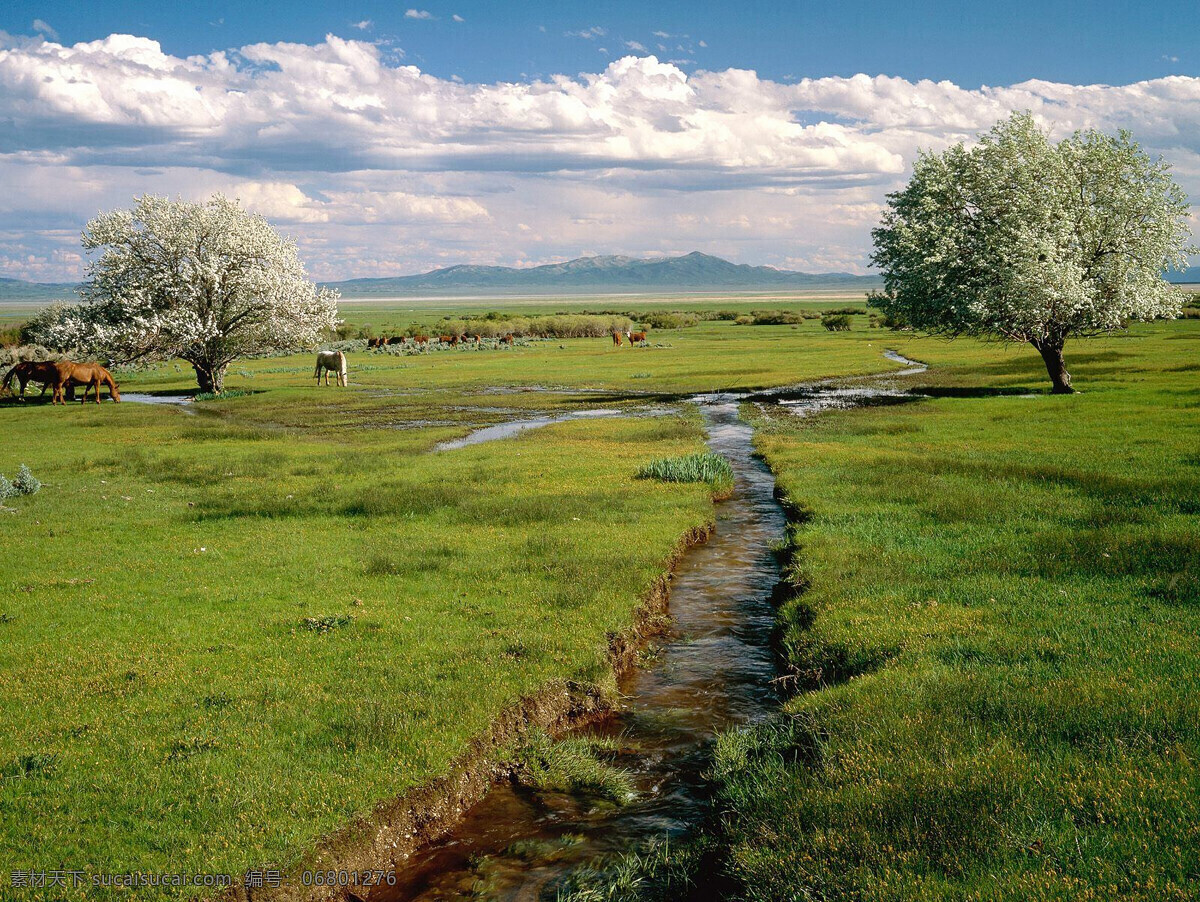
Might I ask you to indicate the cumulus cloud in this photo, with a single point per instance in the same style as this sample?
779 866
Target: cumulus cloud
418 14
368 160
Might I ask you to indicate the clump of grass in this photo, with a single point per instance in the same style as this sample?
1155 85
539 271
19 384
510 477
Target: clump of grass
701 467
572 765
658 871
328 623
34 765
837 323
227 395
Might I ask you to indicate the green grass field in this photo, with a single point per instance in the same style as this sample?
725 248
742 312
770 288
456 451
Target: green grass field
227 630
999 642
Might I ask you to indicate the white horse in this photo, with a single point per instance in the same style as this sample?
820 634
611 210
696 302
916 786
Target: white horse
331 361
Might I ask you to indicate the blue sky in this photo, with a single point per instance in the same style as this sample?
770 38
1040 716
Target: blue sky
390 138
969 43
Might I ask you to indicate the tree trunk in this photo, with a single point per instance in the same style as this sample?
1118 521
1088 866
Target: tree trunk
211 379
1056 366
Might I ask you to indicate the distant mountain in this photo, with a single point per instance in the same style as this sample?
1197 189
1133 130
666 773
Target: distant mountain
694 271
19 290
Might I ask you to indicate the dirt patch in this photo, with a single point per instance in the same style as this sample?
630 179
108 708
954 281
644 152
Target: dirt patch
396 828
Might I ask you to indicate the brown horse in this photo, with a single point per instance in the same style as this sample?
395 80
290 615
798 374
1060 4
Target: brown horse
451 340
376 342
27 371
617 338
420 339
635 337
396 340
89 375
507 339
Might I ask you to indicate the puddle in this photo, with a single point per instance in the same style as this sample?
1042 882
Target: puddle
142 398
516 427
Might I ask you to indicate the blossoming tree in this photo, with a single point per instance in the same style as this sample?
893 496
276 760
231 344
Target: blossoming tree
1033 242
204 282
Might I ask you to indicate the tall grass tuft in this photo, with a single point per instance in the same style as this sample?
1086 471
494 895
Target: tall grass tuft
572 765
702 467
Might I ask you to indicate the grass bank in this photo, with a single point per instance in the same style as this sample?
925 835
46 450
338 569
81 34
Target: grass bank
995 633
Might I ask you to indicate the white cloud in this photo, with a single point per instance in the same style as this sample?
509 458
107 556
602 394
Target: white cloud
588 34
457 18
370 162
363 25
418 14
634 45
43 28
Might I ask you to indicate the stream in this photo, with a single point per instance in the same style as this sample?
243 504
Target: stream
713 671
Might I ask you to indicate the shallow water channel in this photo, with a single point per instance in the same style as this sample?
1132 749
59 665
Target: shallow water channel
713 670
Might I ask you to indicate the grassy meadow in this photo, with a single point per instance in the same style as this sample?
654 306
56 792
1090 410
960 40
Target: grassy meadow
995 638
230 628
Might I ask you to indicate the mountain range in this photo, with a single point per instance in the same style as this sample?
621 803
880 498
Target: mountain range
691 272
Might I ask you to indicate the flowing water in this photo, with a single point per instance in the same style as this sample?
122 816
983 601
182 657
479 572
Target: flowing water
713 671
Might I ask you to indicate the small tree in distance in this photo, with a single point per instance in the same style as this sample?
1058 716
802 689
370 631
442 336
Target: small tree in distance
204 282
1029 241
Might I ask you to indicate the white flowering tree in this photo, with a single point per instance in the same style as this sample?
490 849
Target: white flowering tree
203 282
1025 240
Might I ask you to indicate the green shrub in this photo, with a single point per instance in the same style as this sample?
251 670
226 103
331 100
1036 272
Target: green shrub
674 320
838 323
1190 313
703 467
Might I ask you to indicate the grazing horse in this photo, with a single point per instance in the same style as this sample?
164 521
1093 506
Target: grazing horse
27 371
396 340
89 375
420 339
616 338
376 342
507 339
331 361
451 340
478 341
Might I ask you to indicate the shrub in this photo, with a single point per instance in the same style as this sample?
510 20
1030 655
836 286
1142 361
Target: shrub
673 320
1190 313
838 323
777 317
704 467
25 484
848 311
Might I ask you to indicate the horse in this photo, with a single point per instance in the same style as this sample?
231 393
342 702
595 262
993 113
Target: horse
451 340
635 337
376 342
331 361
507 339
616 338
27 371
89 375
396 340
478 341
420 339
